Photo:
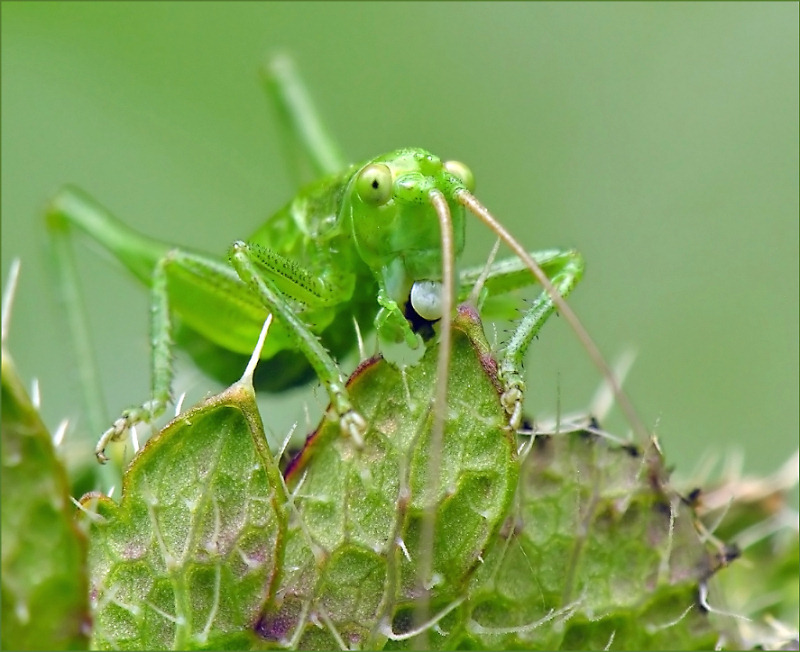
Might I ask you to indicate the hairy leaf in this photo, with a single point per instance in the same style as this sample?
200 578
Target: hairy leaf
45 602
188 557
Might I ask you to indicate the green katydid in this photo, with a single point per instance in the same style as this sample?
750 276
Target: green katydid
366 243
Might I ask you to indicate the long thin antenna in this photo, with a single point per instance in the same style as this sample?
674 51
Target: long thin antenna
439 400
487 268
480 211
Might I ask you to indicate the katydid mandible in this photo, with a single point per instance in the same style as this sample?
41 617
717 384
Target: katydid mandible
361 247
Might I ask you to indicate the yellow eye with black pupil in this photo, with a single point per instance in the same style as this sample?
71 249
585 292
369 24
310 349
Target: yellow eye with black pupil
462 173
374 184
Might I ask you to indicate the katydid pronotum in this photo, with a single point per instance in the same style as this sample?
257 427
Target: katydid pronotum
367 245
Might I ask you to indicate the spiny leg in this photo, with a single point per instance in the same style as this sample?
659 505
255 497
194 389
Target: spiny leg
564 268
69 210
494 280
244 260
471 203
510 371
160 361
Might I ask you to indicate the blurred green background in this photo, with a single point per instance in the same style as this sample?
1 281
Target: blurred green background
660 139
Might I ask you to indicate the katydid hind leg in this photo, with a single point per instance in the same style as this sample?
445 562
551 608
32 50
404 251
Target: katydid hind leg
69 287
301 125
72 210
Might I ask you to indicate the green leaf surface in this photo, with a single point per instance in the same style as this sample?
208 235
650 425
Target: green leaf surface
188 557
355 552
45 602
597 553
587 547
567 540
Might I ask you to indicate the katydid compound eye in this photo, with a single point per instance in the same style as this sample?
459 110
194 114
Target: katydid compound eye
374 184
462 173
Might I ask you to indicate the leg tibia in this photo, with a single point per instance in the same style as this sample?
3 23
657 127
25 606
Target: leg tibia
307 342
564 277
70 210
160 362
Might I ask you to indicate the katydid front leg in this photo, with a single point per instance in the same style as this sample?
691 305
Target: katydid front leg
391 324
564 269
248 262
226 306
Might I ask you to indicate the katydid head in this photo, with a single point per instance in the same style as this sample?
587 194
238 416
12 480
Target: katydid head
396 222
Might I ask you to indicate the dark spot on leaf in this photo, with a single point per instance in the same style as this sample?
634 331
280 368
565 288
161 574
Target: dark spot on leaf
542 441
276 626
403 621
662 508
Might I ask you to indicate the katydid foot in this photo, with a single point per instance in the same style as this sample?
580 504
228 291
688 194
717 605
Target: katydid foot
123 425
511 400
354 425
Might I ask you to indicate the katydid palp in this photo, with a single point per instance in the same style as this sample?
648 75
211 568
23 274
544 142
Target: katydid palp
372 244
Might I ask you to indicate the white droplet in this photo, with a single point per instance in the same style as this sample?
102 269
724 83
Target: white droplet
426 299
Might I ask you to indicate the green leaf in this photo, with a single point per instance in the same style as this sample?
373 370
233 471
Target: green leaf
598 553
554 541
594 549
189 556
354 554
44 589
